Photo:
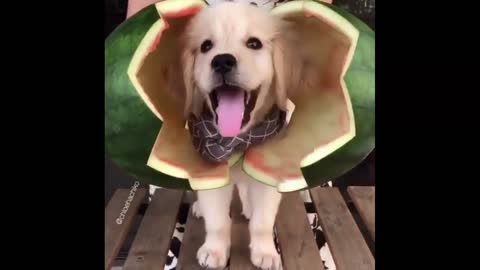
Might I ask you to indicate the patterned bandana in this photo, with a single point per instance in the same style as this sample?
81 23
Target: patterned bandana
213 147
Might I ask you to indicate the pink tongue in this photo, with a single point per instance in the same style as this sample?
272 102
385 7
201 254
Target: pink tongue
230 112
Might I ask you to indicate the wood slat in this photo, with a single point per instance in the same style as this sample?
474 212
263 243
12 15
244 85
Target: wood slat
115 233
364 200
240 251
192 240
349 249
297 244
149 250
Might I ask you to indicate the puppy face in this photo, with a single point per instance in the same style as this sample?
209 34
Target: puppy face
229 65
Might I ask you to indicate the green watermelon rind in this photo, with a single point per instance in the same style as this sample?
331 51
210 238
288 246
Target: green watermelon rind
362 94
129 138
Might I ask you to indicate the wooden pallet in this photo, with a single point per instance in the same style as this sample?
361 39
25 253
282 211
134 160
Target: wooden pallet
298 248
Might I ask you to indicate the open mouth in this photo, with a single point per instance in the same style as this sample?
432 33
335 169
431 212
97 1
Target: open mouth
232 106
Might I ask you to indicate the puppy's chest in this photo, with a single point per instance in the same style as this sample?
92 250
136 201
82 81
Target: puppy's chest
213 147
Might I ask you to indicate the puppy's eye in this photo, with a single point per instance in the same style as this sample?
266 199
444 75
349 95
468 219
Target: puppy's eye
206 46
254 43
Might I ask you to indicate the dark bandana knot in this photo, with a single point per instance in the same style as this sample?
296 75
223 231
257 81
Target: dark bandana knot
215 148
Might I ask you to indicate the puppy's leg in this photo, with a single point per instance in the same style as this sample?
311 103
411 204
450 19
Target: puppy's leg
242 181
214 206
265 201
243 194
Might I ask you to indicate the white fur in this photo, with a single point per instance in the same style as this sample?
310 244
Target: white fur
214 206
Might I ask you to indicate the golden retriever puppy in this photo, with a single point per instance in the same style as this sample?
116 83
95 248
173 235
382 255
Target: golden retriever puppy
238 63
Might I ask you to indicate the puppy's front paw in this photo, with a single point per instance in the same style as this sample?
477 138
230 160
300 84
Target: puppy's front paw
265 257
196 210
213 256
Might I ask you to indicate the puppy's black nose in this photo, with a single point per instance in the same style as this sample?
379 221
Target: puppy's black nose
223 63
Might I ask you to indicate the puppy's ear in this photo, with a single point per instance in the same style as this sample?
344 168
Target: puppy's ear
193 100
187 62
279 84
286 66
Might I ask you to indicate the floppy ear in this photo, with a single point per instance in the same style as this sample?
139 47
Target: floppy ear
187 61
279 85
193 99
287 66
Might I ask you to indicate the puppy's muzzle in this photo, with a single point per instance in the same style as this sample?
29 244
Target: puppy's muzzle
223 63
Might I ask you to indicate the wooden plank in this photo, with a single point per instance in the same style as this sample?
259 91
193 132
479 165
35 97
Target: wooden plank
192 240
364 200
240 251
297 244
149 250
119 215
349 249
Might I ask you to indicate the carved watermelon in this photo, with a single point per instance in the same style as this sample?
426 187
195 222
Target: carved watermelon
330 131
